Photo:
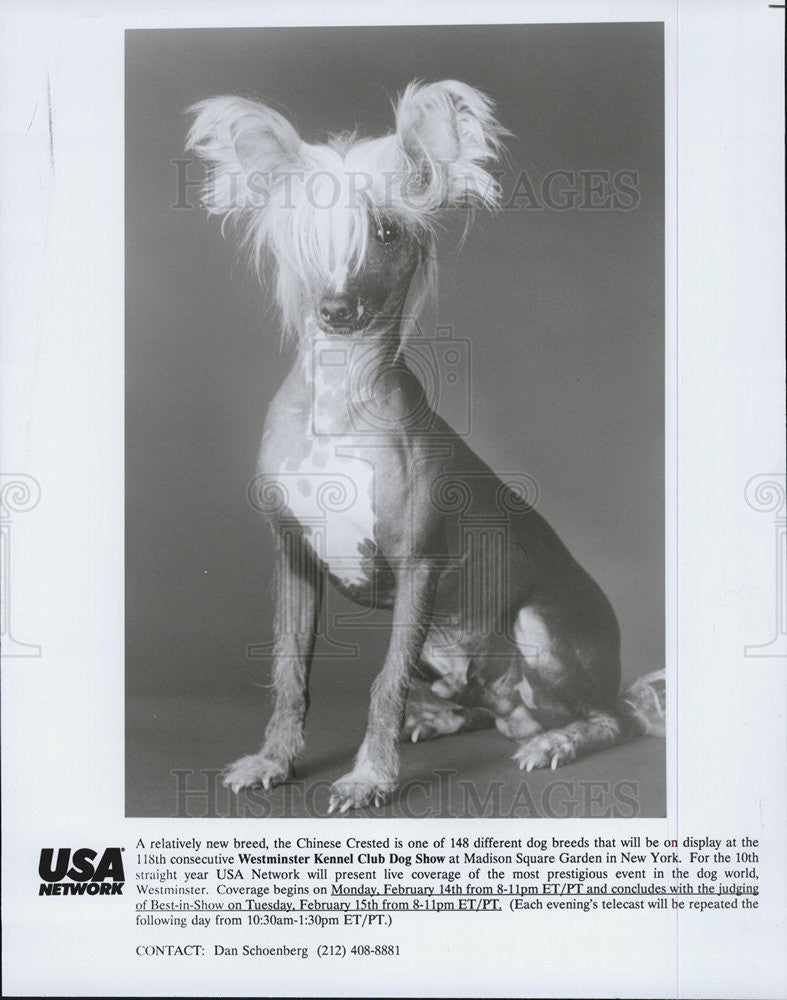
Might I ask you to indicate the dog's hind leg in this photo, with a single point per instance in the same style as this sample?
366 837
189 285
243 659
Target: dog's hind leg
450 703
598 729
425 720
640 711
568 684
299 590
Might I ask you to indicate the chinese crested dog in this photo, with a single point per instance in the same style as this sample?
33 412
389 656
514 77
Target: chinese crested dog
368 488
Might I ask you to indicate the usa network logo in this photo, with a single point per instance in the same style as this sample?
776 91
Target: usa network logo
77 873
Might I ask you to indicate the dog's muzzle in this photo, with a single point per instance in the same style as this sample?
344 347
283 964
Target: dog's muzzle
339 313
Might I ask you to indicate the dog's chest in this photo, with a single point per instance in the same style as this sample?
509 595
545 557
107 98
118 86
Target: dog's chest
328 486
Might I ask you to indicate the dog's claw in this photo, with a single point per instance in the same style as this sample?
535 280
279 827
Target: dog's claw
549 749
255 771
427 722
357 793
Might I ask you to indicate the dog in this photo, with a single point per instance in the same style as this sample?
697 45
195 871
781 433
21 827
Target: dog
368 488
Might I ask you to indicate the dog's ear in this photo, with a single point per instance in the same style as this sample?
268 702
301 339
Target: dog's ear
245 146
450 135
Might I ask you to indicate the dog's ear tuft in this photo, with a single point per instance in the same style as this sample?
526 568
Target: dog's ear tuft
449 133
244 145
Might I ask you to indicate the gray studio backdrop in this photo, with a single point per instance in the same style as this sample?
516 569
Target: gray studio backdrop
560 298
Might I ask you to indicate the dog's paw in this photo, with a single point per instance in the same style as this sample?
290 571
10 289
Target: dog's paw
255 770
550 749
355 792
425 722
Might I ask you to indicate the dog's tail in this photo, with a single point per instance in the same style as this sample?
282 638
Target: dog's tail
643 705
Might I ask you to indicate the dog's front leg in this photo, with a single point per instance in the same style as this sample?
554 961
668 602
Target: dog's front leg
374 775
299 592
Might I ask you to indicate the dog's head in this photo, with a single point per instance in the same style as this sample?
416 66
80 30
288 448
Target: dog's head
351 223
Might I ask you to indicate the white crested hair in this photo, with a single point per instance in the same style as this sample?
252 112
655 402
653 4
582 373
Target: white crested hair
310 207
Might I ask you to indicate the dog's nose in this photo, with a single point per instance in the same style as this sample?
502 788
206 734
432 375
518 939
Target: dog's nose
338 310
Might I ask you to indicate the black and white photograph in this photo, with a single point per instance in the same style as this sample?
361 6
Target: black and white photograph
437 282
392 499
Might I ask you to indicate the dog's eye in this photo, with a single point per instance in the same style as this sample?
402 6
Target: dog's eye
386 232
